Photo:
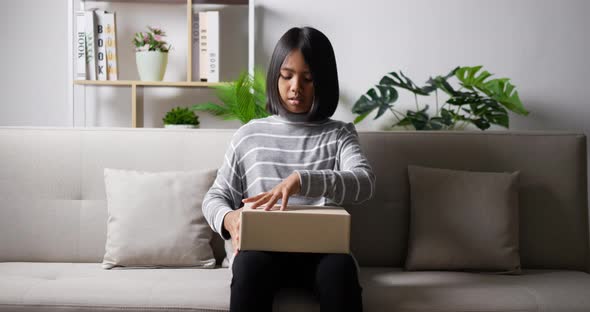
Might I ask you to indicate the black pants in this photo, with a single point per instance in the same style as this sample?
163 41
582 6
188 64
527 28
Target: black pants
257 275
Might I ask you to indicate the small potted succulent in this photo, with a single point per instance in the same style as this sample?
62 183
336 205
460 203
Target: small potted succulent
151 54
181 117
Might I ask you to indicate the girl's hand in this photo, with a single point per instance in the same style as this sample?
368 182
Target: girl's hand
232 224
283 190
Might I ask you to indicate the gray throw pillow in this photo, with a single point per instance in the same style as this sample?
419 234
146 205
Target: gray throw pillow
155 219
463 221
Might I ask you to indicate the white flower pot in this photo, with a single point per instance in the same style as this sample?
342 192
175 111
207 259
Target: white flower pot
151 65
180 126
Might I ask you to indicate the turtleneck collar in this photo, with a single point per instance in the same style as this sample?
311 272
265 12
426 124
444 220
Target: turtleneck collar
287 116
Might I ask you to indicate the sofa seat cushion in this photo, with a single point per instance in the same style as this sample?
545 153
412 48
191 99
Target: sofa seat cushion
34 286
534 290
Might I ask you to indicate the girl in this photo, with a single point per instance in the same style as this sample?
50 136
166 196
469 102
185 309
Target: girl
298 155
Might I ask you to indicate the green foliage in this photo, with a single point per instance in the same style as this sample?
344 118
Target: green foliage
479 100
181 116
243 99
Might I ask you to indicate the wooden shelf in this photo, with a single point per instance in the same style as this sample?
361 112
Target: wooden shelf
227 2
130 83
137 86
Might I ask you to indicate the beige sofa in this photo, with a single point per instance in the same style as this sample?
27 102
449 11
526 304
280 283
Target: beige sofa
53 222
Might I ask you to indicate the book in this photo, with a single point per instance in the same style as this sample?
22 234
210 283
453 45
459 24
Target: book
101 60
213 46
80 46
203 46
195 73
90 45
110 30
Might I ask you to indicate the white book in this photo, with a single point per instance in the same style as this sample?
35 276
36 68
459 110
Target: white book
90 45
203 46
110 30
101 53
195 47
80 46
213 46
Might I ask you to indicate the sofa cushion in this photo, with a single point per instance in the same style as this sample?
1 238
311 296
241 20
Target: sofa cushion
31 286
445 291
155 219
463 220
87 287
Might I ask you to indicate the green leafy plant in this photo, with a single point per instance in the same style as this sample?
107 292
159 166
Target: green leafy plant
479 100
153 40
181 116
243 99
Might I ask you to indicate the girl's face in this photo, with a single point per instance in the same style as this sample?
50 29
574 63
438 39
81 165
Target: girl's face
295 84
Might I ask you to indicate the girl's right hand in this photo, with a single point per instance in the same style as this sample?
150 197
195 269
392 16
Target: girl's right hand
232 224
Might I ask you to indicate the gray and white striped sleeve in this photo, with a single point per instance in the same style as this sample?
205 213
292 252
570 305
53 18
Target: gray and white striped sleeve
225 194
352 181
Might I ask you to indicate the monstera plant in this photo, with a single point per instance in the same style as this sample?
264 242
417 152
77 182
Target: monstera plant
478 100
243 99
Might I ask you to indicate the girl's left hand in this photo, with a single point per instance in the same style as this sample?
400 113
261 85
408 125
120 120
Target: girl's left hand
289 186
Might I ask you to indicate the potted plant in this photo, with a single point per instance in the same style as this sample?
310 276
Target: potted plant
151 54
479 101
243 99
181 117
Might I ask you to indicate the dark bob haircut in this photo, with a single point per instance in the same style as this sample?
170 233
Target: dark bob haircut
319 55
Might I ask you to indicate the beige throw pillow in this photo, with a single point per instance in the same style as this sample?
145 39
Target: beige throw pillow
463 220
155 219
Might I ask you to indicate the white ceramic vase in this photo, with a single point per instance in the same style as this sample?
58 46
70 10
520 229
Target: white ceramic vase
151 65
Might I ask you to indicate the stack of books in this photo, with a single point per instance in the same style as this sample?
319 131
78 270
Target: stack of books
96 45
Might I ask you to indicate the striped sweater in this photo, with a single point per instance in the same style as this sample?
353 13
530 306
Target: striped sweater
263 152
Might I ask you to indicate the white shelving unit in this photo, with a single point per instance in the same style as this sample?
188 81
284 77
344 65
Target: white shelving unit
137 86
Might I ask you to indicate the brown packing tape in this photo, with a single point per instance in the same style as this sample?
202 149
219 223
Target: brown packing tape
317 229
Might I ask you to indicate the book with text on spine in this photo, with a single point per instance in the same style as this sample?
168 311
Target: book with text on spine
101 60
203 46
90 45
80 46
213 46
195 73
110 31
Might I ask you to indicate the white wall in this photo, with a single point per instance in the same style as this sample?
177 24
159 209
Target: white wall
542 45
33 59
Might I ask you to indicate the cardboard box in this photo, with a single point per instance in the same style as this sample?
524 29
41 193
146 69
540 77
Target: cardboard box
318 229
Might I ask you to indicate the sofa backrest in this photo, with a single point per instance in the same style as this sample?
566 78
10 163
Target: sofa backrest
53 205
553 204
